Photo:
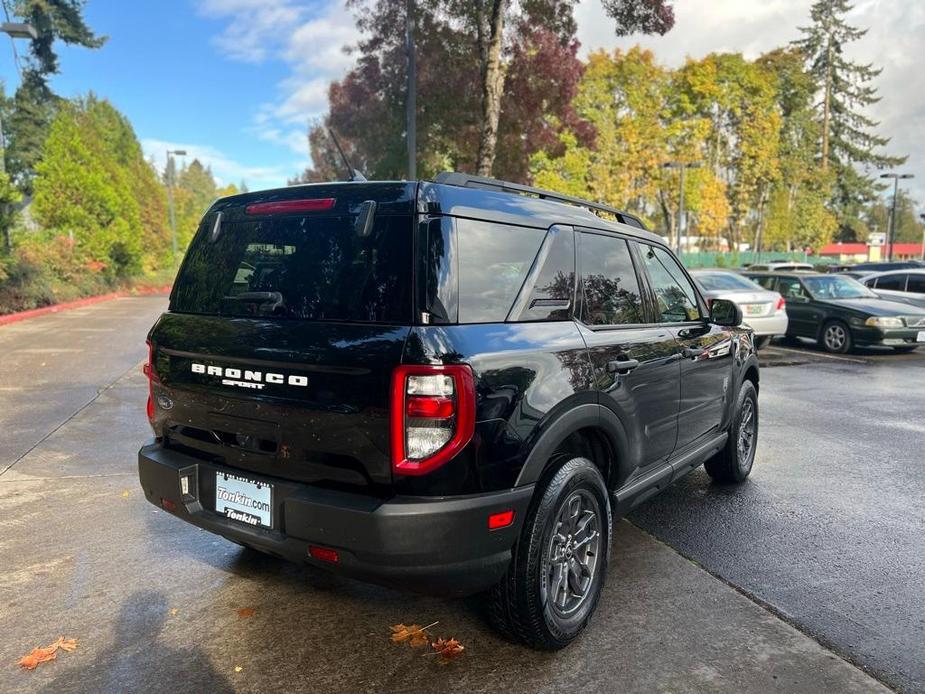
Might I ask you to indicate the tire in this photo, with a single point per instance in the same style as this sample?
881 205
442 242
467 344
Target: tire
905 349
836 337
762 341
537 602
734 463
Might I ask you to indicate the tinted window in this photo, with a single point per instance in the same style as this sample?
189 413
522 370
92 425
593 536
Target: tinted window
552 279
894 282
610 289
493 263
314 268
791 288
766 281
916 284
677 300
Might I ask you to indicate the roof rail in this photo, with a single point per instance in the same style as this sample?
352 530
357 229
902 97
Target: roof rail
452 178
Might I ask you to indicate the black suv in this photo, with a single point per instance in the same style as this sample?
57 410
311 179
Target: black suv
450 386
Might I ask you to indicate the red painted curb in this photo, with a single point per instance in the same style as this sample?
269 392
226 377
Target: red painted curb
90 300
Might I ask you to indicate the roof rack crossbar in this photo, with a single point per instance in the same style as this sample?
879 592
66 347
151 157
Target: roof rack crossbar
453 178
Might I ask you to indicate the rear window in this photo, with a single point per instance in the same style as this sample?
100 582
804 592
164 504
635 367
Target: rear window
719 281
311 267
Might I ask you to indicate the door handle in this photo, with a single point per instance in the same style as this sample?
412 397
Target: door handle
692 352
622 366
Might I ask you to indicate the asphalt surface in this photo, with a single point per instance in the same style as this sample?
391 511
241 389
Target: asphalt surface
824 532
829 530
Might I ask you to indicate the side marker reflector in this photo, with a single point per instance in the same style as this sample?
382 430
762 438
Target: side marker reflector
500 520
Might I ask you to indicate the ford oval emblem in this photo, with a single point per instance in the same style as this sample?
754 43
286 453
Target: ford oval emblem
164 402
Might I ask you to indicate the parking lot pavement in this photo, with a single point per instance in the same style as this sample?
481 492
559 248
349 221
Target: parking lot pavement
154 602
828 529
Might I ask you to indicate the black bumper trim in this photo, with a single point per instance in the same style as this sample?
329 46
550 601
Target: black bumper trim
438 546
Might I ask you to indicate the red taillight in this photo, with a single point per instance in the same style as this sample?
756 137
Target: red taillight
152 377
323 554
433 416
168 504
500 520
284 206
781 304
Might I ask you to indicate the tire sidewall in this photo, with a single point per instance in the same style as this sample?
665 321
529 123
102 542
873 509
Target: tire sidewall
574 474
744 467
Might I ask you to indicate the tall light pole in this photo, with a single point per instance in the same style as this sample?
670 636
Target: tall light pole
922 249
15 30
173 219
411 93
682 219
891 230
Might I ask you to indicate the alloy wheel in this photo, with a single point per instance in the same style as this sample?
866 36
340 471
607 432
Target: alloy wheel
747 422
572 555
835 337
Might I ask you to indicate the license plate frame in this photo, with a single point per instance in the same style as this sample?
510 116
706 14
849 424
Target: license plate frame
244 500
754 309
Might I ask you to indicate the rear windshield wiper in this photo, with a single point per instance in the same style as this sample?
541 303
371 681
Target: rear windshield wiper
261 298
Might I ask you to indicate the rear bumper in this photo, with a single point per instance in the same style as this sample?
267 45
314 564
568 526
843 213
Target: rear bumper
439 546
768 325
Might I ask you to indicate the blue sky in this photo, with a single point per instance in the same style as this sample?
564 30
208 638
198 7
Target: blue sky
236 82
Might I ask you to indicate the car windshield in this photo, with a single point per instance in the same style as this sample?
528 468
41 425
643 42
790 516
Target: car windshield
832 287
719 281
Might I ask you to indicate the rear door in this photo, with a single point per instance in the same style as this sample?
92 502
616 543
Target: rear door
804 317
706 349
635 363
283 331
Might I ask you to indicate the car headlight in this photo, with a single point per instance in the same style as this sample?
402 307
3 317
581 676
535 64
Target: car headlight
884 322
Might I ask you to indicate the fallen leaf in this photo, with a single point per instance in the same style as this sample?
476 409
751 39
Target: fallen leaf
50 652
448 649
238 668
416 635
246 612
125 494
174 611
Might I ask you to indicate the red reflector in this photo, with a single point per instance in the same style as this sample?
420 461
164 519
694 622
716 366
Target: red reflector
500 520
168 504
150 409
283 206
435 407
323 553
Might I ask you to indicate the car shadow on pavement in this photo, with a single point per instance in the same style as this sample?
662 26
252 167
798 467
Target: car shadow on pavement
139 659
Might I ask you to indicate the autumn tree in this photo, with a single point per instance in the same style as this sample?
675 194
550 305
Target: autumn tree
847 136
194 190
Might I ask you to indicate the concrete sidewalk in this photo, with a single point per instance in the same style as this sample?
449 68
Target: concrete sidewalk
154 602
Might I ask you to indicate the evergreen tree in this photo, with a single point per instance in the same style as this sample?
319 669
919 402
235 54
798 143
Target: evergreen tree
194 190
847 137
34 104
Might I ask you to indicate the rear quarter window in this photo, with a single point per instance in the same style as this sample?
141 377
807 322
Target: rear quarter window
494 260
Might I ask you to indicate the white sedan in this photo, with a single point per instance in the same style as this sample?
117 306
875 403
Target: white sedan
763 310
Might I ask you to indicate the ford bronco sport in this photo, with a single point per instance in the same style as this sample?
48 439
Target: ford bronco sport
449 386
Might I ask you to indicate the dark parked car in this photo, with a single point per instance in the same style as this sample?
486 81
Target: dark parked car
840 312
444 386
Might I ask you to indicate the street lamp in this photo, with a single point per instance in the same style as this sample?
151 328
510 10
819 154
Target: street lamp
682 220
922 249
15 30
173 218
891 230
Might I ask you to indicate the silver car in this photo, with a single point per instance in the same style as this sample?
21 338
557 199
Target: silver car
906 286
764 311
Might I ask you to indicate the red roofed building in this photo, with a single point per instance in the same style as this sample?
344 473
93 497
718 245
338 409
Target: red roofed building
861 252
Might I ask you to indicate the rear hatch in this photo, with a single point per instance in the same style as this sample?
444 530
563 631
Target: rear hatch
285 323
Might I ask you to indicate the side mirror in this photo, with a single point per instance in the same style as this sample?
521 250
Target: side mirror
725 312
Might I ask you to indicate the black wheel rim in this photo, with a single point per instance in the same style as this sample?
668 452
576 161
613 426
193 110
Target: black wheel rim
571 562
747 428
835 338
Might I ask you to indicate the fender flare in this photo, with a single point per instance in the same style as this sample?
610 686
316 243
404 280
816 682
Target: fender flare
589 415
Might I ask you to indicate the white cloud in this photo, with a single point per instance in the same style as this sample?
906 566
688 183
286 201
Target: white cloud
224 169
309 37
893 43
